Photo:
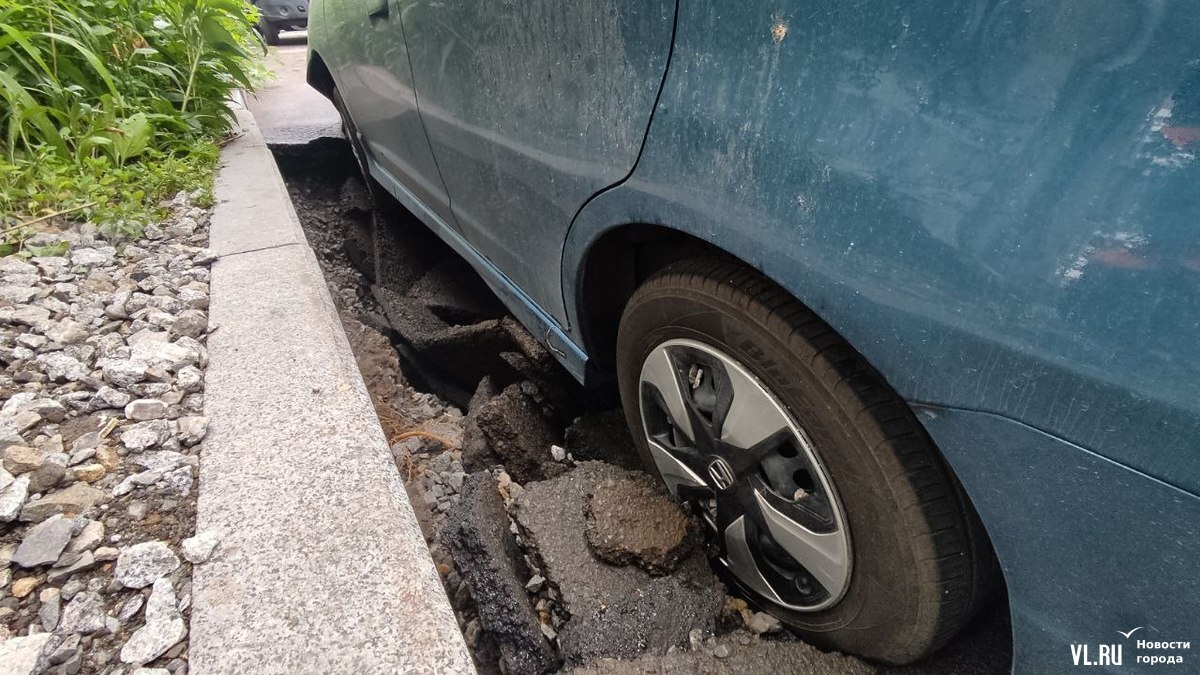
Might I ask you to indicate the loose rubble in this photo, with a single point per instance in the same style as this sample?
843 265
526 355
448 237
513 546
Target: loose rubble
163 629
477 535
143 564
736 653
44 542
631 520
198 549
29 654
615 610
101 425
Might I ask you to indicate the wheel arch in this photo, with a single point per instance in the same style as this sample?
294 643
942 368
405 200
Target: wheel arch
613 266
318 75
621 257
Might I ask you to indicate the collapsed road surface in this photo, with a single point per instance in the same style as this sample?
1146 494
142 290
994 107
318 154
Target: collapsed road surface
556 552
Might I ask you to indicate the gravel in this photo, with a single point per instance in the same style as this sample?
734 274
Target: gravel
84 614
44 543
75 499
198 549
27 655
163 629
102 362
142 564
12 497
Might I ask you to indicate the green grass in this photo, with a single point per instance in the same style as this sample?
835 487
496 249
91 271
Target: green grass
109 106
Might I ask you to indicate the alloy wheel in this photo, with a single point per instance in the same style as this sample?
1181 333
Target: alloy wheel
725 444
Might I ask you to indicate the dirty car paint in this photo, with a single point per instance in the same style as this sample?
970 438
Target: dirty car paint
999 219
372 72
531 108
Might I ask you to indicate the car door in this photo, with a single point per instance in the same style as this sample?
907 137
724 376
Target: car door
375 80
532 107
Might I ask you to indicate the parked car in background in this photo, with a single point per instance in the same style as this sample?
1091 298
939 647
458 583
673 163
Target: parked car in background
891 292
280 15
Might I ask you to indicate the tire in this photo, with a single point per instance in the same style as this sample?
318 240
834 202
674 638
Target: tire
270 32
913 564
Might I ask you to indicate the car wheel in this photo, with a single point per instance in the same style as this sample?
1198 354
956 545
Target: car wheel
270 31
826 503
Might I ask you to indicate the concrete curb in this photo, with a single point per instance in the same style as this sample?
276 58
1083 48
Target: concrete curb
321 566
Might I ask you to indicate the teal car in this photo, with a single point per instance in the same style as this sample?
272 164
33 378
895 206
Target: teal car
902 298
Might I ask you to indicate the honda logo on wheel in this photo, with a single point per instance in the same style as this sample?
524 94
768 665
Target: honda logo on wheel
721 474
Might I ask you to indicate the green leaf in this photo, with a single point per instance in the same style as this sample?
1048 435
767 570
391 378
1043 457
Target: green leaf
218 36
133 135
15 35
25 108
89 56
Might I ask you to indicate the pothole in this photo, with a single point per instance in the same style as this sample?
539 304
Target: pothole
555 551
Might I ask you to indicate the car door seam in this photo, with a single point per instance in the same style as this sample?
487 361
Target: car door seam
662 84
425 131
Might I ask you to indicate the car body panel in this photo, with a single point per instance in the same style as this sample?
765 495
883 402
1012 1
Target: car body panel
1017 243
371 69
531 108
1088 547
1001 223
